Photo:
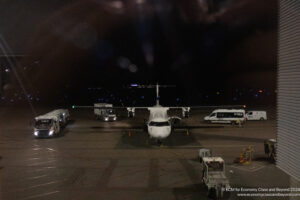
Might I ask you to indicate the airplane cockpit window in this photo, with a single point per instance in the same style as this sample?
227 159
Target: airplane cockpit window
159 124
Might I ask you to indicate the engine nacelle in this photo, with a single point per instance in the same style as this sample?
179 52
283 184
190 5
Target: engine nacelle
131 112
186 112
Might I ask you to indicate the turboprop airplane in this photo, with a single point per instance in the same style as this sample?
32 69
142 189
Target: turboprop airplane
159 124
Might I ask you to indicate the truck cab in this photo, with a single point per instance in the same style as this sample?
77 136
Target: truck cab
105 111
46 126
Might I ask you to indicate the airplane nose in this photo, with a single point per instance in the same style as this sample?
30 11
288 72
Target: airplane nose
159 132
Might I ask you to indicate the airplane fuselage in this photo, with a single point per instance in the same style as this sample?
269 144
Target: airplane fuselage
159 125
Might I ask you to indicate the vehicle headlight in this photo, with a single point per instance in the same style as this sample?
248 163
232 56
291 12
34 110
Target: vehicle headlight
106 118
51 132
36 133
115 118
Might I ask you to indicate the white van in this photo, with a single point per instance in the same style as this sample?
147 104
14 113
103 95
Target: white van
256 115
233 116
46 126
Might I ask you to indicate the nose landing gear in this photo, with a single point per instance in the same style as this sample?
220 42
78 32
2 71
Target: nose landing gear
159 142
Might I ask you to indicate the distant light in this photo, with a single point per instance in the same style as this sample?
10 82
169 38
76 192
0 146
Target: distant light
140 1
124 62
133 68
218 93
134 85
7 70
260 91
244 106
73 106
117 4
142 97
177 99
256 95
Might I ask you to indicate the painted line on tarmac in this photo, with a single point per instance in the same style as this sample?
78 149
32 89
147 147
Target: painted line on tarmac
43 184
50 149
37 177
204 146
41 195
40 163
34 158
247 170
43 168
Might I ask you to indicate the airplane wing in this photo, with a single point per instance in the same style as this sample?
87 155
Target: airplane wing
185 109
114 107
201 107
130 109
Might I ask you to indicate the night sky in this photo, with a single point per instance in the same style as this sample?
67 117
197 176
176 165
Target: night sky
201 46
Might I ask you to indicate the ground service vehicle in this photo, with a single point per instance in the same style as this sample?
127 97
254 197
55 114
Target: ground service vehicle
105 112
63 115
204 153
233 116
270 147
46 126
256 115
214 178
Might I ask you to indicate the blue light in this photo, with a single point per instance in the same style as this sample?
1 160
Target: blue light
134 85
177 99
142 97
